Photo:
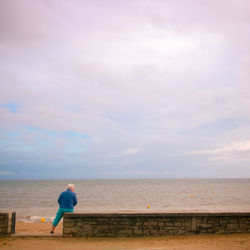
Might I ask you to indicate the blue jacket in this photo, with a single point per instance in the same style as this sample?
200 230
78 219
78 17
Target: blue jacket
67 199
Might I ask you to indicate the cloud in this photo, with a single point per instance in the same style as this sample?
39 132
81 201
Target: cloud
170 77
131 151
235 147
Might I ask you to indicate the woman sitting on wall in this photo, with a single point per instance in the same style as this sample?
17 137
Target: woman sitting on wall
67 200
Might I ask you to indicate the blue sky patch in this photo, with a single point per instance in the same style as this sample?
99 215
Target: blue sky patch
57 134
13 134
73 134
11 106
30 128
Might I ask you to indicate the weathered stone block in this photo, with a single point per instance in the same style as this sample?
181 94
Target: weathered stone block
7 223
205 226
181 232
169 224
153 232
232 226
137 231
67 230
233 221
172 232
177 224
161 223
187 224
87 228
128 231
243 226
162 232
68 224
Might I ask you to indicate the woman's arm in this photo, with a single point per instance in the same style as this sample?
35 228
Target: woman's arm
60 199
74 200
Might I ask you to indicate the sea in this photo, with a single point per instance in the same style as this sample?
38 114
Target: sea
36 199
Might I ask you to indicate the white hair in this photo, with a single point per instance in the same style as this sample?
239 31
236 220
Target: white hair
70 186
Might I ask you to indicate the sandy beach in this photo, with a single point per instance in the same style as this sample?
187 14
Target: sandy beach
37 228
26 242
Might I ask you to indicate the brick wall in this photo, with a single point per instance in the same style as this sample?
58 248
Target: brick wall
153 224
7 223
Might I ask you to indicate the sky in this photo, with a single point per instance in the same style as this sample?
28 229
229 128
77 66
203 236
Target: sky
124 89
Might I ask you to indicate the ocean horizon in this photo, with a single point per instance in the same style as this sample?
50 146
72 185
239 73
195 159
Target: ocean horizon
36 199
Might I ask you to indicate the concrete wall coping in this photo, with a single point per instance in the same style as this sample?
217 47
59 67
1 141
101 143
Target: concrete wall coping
193 214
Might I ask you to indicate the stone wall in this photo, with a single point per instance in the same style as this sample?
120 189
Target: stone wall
153 224
7 223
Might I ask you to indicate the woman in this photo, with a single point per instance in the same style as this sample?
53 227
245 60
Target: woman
67 200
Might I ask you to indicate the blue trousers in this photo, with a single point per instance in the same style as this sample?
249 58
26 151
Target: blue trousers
60 213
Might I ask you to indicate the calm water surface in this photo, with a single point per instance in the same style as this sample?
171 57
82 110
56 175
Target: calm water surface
35 199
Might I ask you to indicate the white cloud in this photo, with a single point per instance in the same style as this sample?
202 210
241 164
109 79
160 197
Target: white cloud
235 147
131 151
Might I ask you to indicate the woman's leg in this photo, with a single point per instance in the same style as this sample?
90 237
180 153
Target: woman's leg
59 216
